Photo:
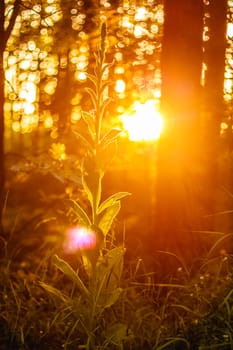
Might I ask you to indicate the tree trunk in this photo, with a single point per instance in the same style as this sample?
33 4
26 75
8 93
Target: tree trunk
4 36
177 211
2 172
214 100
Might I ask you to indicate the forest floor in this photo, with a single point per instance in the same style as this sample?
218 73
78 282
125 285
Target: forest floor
189 308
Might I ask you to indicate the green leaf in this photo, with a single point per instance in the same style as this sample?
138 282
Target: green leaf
92 78
91 181
88 191
54 291
97 59
115 257
112 200
107 66
87 264
87 142
93 96
108 274
112 297
104 105
110 136
108 216
105 155
80 212
63 266
89 120
104 85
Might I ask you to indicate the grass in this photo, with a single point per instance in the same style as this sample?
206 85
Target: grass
193 309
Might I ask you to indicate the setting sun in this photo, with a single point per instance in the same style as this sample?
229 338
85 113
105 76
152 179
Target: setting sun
145 123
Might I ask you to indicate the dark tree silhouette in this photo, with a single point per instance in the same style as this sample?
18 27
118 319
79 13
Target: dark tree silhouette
181 62
64 39
4 36
213 94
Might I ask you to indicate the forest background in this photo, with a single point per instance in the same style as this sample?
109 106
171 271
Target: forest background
177 54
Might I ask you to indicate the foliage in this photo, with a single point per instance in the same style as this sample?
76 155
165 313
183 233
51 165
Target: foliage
103 266
191 311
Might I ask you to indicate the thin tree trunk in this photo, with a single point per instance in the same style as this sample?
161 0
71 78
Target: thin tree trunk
177 208
4 36
2 171
214 100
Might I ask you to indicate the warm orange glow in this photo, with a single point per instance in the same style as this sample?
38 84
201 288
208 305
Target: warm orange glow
79 238
120 86
145 124
141 14
81 76
139 31
48 121
230 30
76 114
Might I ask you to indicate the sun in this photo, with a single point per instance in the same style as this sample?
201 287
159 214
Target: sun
145 123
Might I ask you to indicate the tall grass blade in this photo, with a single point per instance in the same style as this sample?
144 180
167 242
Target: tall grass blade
218 242
177 258
53 291
172 341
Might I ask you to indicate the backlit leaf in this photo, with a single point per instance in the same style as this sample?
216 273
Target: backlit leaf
91 181
105 155
108 275
110 136
53 291
63 266
112 297
92 78
108 216
93 96
104 105
87 141
89 120
80 212
111 200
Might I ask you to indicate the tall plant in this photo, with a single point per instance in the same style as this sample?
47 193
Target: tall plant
103 266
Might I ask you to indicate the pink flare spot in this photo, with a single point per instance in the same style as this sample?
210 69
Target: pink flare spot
79 238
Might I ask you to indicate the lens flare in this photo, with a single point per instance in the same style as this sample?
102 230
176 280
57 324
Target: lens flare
79 237
145 124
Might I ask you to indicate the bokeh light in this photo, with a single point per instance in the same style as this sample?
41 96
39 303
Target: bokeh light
79 237
58 151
